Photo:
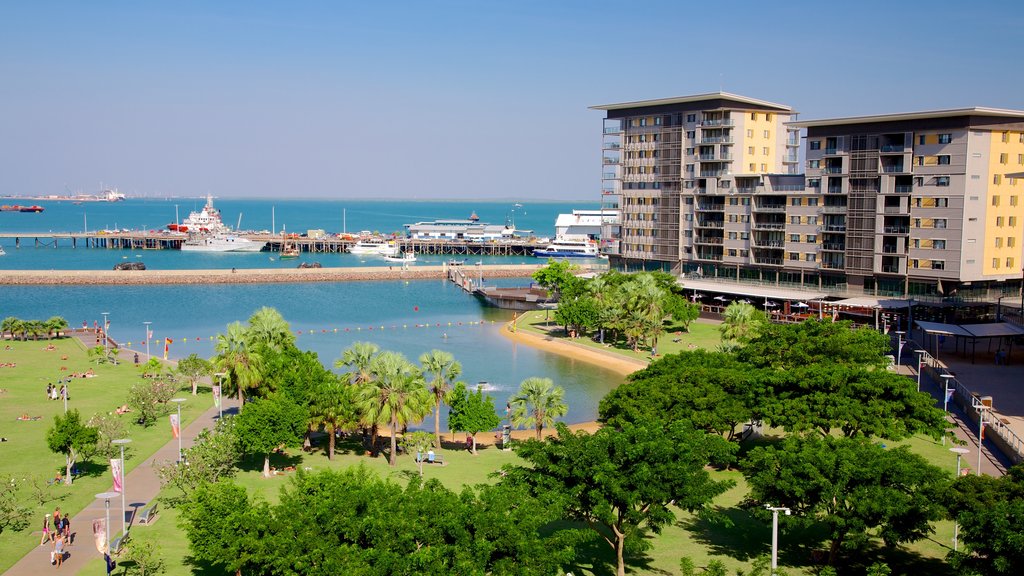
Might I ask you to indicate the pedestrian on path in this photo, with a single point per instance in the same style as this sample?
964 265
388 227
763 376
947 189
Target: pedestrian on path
46 530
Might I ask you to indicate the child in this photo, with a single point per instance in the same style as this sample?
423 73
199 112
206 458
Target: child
46 530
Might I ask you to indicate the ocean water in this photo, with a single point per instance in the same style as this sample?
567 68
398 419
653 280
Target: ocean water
293 215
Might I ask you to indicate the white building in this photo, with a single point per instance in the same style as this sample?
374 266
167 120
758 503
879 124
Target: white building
584 222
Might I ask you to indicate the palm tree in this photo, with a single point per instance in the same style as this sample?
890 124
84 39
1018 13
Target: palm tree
395 396
445 369
9 324
741 322
56 324
357 358
537 404
236 358
332 406
268 328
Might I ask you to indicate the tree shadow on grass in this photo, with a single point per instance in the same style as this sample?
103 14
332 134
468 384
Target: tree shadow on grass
594 556
735 533
91 469
254 462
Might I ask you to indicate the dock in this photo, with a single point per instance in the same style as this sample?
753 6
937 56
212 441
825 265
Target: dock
158 240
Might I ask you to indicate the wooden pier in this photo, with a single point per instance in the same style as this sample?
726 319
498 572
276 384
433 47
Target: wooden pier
272 243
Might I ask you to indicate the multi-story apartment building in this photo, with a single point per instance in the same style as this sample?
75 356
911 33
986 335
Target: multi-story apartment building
671 164
920 203
927 202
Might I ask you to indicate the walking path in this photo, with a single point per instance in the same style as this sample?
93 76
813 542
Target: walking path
142 485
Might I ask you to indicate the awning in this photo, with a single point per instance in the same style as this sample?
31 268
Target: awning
996 330
746 290
943 329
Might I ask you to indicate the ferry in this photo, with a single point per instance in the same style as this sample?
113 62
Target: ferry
220 242
568 247
375 247
403 258
19 208
206 220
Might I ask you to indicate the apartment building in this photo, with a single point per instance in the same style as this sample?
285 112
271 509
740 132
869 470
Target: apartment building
669 166
920 203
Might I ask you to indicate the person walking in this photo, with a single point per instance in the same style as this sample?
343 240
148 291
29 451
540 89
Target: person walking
58 551
65 528
46 530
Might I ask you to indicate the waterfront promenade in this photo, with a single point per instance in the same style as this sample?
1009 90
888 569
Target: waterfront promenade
254 276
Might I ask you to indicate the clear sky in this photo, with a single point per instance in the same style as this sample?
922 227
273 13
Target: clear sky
444 98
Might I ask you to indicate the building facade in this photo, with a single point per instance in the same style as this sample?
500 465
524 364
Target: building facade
669 166
891 205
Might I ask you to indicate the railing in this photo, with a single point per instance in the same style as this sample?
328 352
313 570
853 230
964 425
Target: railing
716 257
710 208
768 243
607 160
706 157
892 168
708 240
769 207
833 246
834 227
891 269
768 226
748 189
831 151
718 122
888 249
789 188
714 173
833 209
896 230
609 176
833 265
834 190
716 140
893 210
832 170
893 148
903 189
608 130
791 159
768 261
611 146
711 224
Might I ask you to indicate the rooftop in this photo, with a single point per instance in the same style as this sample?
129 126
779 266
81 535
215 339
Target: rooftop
924 115
694 98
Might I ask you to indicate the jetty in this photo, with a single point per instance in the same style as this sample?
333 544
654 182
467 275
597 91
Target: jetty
162 240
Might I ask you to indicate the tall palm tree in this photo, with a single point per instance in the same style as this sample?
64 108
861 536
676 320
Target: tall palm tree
236 358
357 358
267 327
55 325
445 370
395 396
741 322
332 406
8 325
537 404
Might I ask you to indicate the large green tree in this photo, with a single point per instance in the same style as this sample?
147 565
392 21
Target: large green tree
786 346
443 370
559 277
395 397
741 322
333 406
358 358
70 437
537 404
854 486
269 423
621 482
237 358
710 390
213 456
471 412
193 369
268 328
990 512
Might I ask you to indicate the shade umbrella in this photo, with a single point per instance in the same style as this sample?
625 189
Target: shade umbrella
801 305
720 298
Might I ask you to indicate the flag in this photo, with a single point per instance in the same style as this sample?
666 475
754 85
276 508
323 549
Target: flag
175 426
99 533
117 469
167 347
149 334
216 395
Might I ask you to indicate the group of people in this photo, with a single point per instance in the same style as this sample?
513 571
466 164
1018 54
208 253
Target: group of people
58 534
8 364
52 391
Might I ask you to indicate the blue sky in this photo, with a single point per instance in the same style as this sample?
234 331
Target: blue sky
442 99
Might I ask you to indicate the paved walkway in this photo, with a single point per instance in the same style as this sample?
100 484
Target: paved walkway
142 486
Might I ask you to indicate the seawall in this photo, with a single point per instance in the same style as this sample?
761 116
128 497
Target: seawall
250 276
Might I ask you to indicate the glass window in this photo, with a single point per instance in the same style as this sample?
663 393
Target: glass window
943 159
945 138
942 181
794 237
691 117
939 244
812 238
814 144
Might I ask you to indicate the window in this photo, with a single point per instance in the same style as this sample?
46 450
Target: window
744 236
753 115
733 201
915 262
917 223
753 167
1009 262
1006 136
768 116
995 200
812 201
943 159
810 257
766 151
942 202
1013 221
691 134
814 182
794 256
814 144
691 117
938 265
794 219
940 223
767 133
764 167
995 263
1020 158
794 201
921 140
939 244
999 242
999 221
812 220
745 201
811 238
942 180
997 178
794 237
814 164
916 243
1013 200
750 150
945 138
1011 241
732 235
732 251
920 160
1003 157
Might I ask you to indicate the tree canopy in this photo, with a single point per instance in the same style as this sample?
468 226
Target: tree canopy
991 516
268 423
538 404
70 437
471 412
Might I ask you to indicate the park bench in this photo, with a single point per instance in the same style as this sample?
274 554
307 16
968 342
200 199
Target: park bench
148 514
438 459
117 543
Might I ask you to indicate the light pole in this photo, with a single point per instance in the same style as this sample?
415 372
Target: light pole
106 496
899 346
982 410
178 401
946 379
920 365
220 396
121 442
775 534
148 337
105 324
956 525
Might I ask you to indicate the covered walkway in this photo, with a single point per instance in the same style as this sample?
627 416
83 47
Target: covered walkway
969 335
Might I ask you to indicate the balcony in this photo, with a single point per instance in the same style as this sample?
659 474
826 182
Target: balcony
791 159
834 228
710 207
894 210
892 168
903 189
789 188
889 269
609 176
832 170
607 160
889 250
749 189
611 146
769 207
612 130
833 247
709 256
714 173
768 261
889 148
768 243
768 226
834 190
831 151
716 140
837 265
833 209
717 122
708 240
896 230
710 223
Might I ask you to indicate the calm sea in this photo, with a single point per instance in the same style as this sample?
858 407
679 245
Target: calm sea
293 215
411 317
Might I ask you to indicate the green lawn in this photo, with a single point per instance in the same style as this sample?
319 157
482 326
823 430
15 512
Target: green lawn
701 334
26 458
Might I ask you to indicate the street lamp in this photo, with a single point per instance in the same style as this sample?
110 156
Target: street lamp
121 442
148 337
178 401
982 410
899 346
775 534
956 525
946 379
219 397
105 324
920 365
106 496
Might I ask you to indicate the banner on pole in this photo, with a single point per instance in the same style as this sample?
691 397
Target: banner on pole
216 395
117 469
175 426
99 534
167 347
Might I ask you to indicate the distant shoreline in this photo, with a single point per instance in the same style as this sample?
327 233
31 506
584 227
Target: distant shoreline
249 275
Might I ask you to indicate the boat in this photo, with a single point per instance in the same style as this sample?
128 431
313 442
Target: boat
375 246
32 208
289 252
2 252
20 208
404 258
206 220
454 262
568 247
220 242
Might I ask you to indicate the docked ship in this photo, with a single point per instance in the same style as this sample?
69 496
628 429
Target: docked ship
19 208
568 247
219 242
206 220
403 258
375 247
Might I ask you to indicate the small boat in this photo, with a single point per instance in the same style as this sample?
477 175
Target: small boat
568 247
404 258
456 262
32 208
288 251
219 243
377 246
2 252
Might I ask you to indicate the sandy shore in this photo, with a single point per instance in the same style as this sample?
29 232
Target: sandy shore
609 360
250 276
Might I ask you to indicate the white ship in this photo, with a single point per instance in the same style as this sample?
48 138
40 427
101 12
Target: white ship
568 247
403 258
375 247
220 242
206 220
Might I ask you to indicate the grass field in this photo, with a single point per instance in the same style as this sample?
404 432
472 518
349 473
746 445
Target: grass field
26 459
701 334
